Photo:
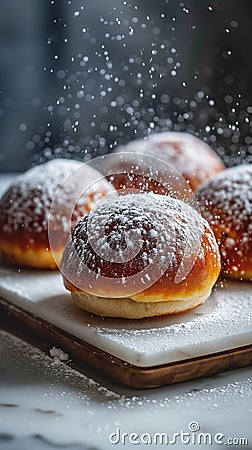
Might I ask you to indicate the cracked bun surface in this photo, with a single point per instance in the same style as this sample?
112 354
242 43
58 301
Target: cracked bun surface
141 255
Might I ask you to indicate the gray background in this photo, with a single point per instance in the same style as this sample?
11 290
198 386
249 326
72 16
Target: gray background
78 78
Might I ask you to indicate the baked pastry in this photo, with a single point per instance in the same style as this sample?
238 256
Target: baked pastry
190 156
25 210
226 202
141 255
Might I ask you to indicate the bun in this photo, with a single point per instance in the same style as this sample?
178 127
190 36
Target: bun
190 156
141 255
25 208
226 202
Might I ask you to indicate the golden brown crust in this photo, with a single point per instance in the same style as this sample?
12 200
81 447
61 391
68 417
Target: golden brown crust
177 219
226 202
25 211
190 156
40 258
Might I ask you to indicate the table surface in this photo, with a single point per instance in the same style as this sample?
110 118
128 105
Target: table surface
45 404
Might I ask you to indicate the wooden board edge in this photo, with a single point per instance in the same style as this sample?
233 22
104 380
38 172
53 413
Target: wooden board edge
85 356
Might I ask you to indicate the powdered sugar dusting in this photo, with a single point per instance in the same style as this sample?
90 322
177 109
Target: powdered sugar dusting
142 233
226 202
231 310
58 354
192 157
231 193
48 405
27 202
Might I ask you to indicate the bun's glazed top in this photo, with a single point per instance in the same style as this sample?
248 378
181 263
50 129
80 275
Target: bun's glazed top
190 156
226 202
140 242
25 207
27 202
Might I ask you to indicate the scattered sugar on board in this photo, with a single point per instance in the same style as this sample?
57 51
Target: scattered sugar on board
231 314
58 354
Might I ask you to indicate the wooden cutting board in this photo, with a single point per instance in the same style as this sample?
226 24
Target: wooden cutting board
138 353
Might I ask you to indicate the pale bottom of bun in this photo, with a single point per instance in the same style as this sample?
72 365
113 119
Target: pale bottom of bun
39 258
131 309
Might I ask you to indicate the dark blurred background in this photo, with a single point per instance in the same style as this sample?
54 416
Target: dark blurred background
78 77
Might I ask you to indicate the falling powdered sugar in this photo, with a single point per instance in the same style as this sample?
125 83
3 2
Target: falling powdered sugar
27 202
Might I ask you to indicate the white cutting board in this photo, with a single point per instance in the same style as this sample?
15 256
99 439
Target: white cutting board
224 322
